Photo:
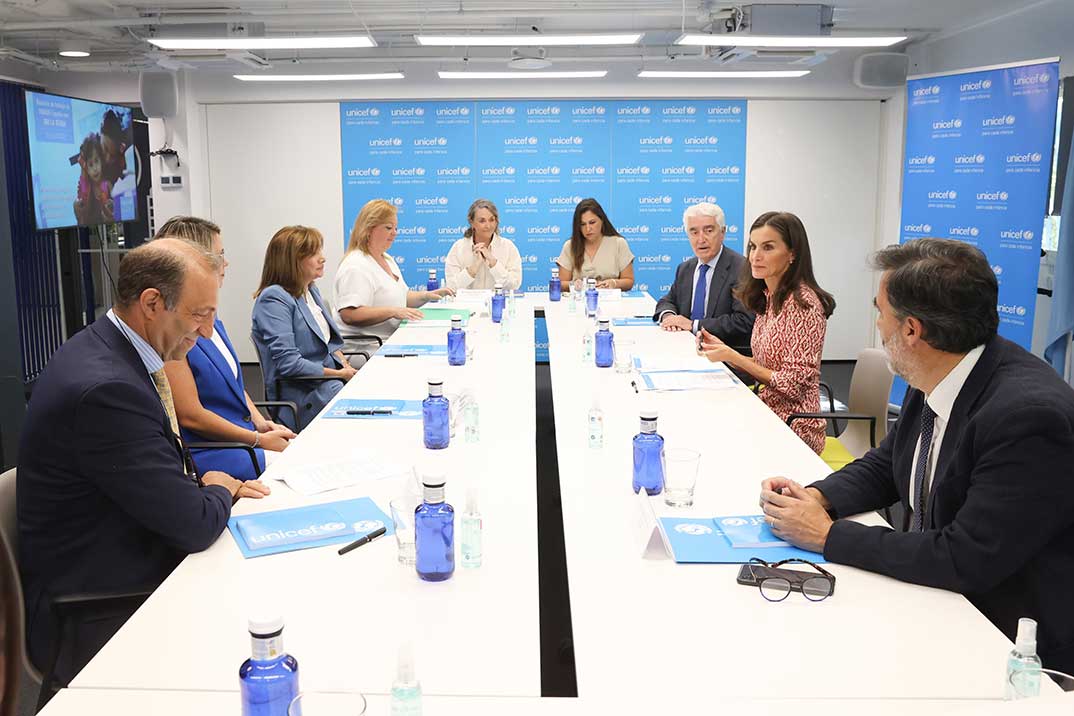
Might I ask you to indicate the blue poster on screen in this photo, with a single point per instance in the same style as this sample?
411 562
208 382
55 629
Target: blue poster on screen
977 168
644 161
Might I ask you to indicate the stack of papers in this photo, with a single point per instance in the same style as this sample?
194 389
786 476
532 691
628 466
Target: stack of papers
687 380
440 317
308 478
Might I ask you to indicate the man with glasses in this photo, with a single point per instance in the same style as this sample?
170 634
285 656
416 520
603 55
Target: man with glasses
982 458
106 501
701 295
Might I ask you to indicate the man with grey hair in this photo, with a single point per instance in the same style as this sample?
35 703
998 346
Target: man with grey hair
702 294
107 498
980 458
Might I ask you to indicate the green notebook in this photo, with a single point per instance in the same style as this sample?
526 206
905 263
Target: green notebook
444 314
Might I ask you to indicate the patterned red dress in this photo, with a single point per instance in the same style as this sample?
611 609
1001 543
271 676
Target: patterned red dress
790 344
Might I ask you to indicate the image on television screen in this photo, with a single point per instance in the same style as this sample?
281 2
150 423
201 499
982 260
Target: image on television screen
81 161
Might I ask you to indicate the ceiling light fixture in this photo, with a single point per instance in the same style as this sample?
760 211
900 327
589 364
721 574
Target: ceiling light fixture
530 40
570 75
321 78
70 48
723 75
733 40
264 43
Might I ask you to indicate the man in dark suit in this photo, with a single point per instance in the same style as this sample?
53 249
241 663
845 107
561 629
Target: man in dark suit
980 459
106 500
701 295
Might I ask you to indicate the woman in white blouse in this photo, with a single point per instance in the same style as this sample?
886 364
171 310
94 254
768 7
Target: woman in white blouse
371 296
483 258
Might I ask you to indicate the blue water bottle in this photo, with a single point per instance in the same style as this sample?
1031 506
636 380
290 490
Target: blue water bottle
434 532
648 455
591 297
435 417
555 288
268 680
456 342
498 302
605 344
433 283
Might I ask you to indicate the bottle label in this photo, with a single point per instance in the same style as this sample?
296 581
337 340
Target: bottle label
648 426
266 649
435 391
434 494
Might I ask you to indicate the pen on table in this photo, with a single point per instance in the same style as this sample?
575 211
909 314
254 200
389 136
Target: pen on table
400 355
634 385
371 411
363 540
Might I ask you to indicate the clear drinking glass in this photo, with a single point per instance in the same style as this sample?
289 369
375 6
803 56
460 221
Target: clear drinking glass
313 704
402 509
471 340
624 356
680 476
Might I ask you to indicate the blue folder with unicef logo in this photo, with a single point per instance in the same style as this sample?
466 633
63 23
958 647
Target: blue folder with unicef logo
307 527
734 539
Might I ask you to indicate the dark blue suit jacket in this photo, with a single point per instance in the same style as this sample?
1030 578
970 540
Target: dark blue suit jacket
725 316
1000 515
290 344
103 501
221 392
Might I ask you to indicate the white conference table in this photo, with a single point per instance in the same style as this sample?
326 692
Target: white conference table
692 628
477 633
650 629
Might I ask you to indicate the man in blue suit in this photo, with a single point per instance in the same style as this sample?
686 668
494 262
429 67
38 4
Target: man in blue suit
702 294
980 459
106 499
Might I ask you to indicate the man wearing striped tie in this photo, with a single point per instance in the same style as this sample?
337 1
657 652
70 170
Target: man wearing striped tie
106 501
981 458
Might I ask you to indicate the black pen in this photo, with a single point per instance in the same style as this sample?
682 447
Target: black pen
400 355
363 540
363 411
634 385
371 411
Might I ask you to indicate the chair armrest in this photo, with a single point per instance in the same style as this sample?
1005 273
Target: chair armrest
367 337
278 404
222 445
825 388
87 599
364 354
840 416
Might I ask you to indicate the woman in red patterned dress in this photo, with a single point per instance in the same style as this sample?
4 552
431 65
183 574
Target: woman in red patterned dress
792 312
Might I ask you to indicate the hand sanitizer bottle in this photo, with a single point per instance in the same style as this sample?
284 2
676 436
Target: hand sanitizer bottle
471 532
648 455
434 532
268 680
605 344
498 301
591 297
1023 664
433 283
435 417
555 288
456 342
587 345
596 425
406 689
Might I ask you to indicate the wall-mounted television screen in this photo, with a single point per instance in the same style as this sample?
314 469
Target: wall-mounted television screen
81 161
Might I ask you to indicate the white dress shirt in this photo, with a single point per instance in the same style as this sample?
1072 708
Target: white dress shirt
228 358
508 268
150 358
942 400
360 281
693 284
318 315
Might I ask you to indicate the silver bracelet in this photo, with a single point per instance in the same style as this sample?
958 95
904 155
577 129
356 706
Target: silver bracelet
257 438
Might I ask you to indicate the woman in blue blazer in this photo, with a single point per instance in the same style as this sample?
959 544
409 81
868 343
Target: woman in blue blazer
210 396
292 328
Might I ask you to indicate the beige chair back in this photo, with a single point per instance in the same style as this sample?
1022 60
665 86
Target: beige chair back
870 387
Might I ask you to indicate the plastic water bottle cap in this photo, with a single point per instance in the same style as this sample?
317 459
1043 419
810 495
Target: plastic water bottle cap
405 671
264 625
649 414
1026 640
499 285
471 500
456 317
435 380
604 322
433 478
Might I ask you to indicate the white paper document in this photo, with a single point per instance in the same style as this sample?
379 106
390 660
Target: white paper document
311 478
676 363
685 380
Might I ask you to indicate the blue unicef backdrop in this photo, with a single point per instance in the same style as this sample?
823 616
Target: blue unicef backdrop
978 163
644 161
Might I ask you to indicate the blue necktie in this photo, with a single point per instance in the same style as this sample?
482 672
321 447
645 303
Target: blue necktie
698 311
917 522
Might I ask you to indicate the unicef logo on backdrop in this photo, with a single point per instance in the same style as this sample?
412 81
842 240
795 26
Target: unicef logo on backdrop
992 196
386 142
546 230
594 170
917 228
693 529
431 259
550 170
498 111
978 86
506 230
726 170
564 200
561 141
461 111
1003 120
701 140
1021 234
636 170
655 259
367 112
412 231
1011 310
634 110
941 124
544 111
970 159
634 230
681 170
519 141
431 201
500 171
408 112
702 199
1027 158
365 172
457 230
430 141
732 229
1037 79
971 231
593 109
921 160
680 110
663 140
658 200
409 172
453 171
943 195
922 92
520 200
721 111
